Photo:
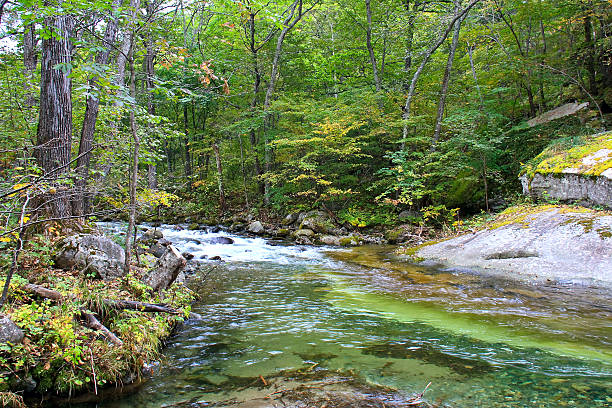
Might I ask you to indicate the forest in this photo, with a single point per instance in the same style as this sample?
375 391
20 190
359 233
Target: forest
368 109
199 111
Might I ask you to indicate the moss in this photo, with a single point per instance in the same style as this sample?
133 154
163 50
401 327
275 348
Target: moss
282 232
349 241
588 224
554 160
518 215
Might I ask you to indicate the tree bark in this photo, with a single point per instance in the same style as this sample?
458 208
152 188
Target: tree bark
377 81
134 176
54 134
81 203
149 65
446 77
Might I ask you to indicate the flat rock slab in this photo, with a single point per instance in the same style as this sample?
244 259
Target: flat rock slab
552 245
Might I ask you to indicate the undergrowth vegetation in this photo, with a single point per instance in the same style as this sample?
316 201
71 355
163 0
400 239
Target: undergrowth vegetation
59 354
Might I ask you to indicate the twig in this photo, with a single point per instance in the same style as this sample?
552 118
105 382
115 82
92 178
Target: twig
93 372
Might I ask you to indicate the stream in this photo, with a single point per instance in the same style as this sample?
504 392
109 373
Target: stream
279 316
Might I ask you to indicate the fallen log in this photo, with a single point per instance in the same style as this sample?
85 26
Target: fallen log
112 304
93 323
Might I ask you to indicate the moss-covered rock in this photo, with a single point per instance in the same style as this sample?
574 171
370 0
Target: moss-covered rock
581 174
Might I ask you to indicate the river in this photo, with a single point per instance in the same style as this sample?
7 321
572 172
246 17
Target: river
279 317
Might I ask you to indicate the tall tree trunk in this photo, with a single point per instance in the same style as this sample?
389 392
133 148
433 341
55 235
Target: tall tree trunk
135 158
377 82
256 85
290 22
188 172
446 77
81 204
54 134
426 58
470 49
29 62
244 175
215 147
409 40
149 65
122 58
542 62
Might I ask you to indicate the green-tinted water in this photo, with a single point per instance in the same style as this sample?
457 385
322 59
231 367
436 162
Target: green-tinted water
363 314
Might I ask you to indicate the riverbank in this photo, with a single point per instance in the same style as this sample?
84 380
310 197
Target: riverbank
74 332
534 244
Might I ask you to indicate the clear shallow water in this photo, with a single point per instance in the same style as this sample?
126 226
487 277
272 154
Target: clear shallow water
270 310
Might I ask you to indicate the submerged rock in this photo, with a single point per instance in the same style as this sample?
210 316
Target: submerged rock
9 331
96 255
535 244
221 240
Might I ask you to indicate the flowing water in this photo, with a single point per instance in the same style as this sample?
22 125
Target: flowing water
278 315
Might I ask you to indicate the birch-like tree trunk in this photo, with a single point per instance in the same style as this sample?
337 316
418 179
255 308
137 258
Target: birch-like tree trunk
426 58
446 77
370 47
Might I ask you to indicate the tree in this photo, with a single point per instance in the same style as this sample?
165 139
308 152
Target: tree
54 135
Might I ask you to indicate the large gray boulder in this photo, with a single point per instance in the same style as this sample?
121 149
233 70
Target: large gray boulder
166 269
303 232
582 174
9 331
535 245
95 255
256 227
318 221
567 187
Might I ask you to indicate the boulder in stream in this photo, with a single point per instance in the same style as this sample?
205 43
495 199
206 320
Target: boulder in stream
317 221
220 240
166 270
256 227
